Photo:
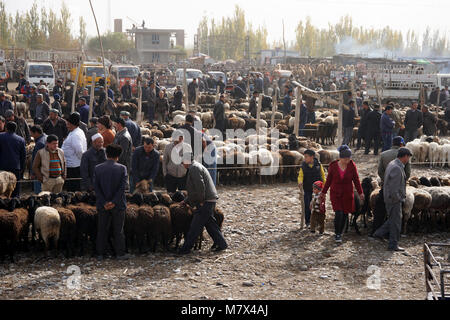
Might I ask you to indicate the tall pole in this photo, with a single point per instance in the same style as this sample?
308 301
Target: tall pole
91 98
340 121
258 113
186 98
139 114
297 111
274 109
284 44
75 88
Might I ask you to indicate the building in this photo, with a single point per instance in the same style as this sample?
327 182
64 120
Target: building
157 46
276 56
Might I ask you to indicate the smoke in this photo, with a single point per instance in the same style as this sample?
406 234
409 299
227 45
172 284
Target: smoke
372 50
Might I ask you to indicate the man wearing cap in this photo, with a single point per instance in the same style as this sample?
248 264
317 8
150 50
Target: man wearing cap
83 110
219 114
253 106
413 121
192 90
348 122
56 105
386 127
389 155
58 89
133 129
13 154
363 124
55 125
42 109
123 139
202 194
373 134
44 92
126 91
40 139
429 122
177 99
193 135
92 130
49 166
22 129
161 108
74 146
5 104
173 171
394 192
32 100
287 102
152 101
145 163
90 159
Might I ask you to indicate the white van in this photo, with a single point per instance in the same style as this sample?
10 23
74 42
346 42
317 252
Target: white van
36 71
190 74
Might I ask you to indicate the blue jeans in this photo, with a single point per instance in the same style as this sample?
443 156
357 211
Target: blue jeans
37 187
387 141
307 196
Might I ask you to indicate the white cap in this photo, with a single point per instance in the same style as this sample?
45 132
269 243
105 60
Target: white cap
96 136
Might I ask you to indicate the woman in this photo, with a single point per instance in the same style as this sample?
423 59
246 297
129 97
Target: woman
104 126
342 175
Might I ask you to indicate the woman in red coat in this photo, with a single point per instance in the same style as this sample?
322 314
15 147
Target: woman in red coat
342 175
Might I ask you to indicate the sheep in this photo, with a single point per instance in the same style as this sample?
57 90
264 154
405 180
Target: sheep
422 201
407 207
425 182
433 153
86 221
48 224
13 225
179 119
146 224
445 155
440 202
368 185
132 228
162 226
68 229
328 156
181 218
435 182
7 183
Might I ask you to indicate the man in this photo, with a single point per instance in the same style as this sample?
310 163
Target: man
177 99
40 139
202 194
22 128
86 96
387 127
74 146
83 110
90 159
429 122
56 104
161 108
373 130
219 114
5 104
434 96
123 139
304 115
32 101
259 83
2 124
145 163
13 154
239 93
173 171
22 83
91 131
133 129
253 106
126 91
389 155
44 92
266 81
394 192
287 102
58 89
363 124
444 95
310 172
49 166
192 90
413 121
42 110
151 102
348 122
221 85
55 125
110 181
193 135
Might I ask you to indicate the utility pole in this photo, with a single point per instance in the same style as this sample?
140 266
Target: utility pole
284 44
247 48
196 51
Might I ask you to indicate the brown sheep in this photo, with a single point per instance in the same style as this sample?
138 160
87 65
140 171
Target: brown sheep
13 223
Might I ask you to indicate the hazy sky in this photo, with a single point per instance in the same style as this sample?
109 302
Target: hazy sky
184 14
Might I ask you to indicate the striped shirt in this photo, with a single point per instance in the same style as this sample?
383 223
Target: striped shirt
55 169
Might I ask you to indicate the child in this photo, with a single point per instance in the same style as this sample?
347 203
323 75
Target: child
317 207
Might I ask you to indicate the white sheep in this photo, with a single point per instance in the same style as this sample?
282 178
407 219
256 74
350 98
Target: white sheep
47 223
445 155
7 183
179 119
433 153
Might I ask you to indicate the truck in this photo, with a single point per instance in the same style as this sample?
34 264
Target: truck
36 71
121 73
190 74
87 70
4 75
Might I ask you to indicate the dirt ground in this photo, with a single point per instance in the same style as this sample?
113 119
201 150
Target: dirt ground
269 258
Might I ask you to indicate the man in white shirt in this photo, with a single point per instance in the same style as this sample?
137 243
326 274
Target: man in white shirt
74 146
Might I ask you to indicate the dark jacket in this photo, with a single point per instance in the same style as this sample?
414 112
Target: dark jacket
253 107
348 120
386 157
135 132
22 129
91 132
363 123
311 175
238 92
59 129
144 166
110 181
12 151
259 85
162 105
39 144
287 104
429 123
56 105
42 111
191 90
394 185
126 92
447 114
124 140
195 139
89 160
84 113
386 124
413 120
219 112
4 106
373 122
199 185
221 86
178 100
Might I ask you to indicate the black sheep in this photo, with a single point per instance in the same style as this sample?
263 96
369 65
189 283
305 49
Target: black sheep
425 182
435 182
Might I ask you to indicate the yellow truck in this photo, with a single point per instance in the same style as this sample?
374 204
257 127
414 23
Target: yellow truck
86 71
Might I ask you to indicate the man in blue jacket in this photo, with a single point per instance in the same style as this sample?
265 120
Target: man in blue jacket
4 104
12 154
386 127
144 163
133 129
110 181
287 103
40 139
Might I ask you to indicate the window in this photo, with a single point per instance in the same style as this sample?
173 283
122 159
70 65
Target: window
155 38
155 57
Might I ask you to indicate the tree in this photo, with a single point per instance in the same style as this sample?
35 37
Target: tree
114 41
83 34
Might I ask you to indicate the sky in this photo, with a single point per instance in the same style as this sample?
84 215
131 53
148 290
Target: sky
184 14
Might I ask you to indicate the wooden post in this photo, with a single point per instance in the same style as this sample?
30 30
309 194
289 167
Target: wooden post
196 98
248 86
422 98
297 111
91 98
274 109
186 97
139 114
75 88
352 88
378 94
217 94
340 121
258 113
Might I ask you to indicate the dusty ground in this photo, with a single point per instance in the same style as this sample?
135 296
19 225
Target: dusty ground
269 258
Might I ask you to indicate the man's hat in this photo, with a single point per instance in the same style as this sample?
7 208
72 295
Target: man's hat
56 96
318 185
389 107
74 119
124 113
8 113
398 140
403 152
54 111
